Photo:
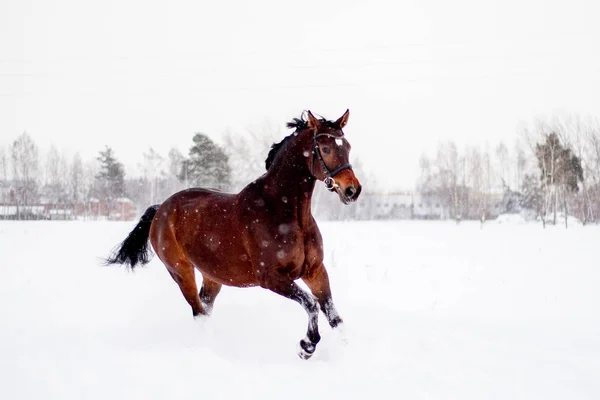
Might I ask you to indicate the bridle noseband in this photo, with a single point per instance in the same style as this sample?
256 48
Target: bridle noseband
329 174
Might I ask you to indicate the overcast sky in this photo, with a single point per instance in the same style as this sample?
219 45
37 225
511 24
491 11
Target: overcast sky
134 74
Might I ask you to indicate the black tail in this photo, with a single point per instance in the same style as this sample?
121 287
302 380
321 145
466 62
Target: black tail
134 248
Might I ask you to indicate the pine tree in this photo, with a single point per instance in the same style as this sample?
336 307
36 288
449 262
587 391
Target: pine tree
110 181
532 195
559 169
207 165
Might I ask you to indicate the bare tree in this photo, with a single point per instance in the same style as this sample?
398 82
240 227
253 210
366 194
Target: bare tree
488 181
585 143
247 154
175 163
520 165
25 172
3 165
90 170
573 130
447 169
55 188
503 163
476 172
592 168
4 186
76 181
152 170
446 181
424 182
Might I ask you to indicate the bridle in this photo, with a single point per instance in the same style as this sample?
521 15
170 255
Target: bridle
329 174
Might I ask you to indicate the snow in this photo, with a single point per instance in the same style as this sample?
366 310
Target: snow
432 310
560 219
510 219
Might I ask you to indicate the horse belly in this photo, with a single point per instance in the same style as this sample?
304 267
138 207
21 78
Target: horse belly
224 263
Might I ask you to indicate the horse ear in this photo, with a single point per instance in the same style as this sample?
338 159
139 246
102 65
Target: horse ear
313 123
343 120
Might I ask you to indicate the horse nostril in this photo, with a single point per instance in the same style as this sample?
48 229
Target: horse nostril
350 192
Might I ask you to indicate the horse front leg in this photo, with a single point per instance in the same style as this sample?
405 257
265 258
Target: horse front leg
284 286
317 281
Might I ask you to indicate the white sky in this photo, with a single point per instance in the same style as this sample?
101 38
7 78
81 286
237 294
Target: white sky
134 74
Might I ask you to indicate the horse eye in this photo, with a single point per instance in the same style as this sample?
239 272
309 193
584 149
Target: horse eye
325 150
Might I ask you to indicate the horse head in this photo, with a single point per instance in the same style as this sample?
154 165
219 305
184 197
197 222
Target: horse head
329 161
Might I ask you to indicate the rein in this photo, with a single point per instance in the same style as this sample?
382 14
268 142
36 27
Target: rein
329 174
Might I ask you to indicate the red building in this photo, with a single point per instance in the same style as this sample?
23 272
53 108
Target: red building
122 209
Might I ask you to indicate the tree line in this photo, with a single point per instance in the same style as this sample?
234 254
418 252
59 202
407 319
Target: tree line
551 172
28 178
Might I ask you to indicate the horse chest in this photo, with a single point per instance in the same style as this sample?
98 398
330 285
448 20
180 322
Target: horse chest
299 252
287 248
284 249
313 252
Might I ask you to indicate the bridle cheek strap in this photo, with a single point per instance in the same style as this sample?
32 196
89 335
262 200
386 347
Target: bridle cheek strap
329 174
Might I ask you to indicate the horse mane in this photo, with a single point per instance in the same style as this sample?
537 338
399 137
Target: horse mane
302 123
298 124
275 147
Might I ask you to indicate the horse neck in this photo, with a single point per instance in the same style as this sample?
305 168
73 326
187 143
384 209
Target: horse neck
289 181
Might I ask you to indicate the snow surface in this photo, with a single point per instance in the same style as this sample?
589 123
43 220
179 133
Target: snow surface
510 219
433 310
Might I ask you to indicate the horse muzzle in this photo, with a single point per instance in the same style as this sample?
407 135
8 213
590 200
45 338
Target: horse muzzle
346 186
350 194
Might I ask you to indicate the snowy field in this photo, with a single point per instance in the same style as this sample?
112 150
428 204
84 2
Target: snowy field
432 310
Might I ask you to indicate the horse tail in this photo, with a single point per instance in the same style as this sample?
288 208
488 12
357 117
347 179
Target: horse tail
134 249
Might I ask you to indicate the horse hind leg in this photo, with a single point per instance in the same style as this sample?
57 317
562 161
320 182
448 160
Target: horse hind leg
167 248
209 291
183 274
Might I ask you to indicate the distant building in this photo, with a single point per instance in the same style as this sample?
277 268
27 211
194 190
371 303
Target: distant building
428 207
400 205
122 209
409 205
391 205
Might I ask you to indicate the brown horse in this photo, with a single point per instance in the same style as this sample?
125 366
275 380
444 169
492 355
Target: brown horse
265 235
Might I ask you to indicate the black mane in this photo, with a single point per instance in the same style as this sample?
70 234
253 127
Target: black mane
298 124
275 147
302 123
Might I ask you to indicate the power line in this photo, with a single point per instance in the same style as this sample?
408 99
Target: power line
306 50
442 61
390 83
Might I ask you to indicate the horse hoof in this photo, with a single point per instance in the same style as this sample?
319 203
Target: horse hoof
303 354
201 317
305 349
207 309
